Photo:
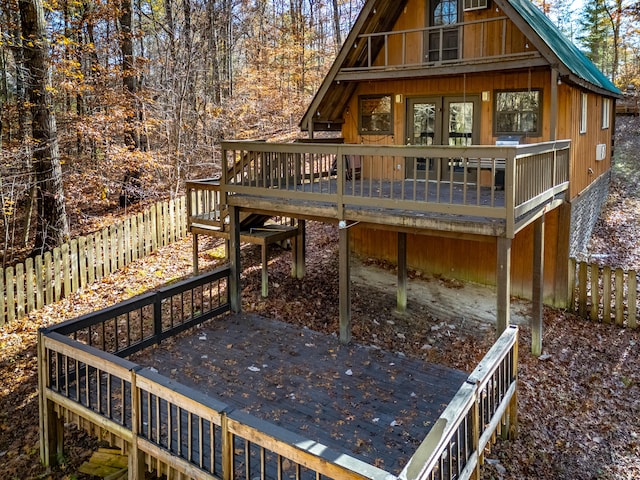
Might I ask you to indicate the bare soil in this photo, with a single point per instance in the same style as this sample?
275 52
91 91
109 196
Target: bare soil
578 403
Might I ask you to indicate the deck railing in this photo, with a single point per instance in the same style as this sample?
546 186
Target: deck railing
175 430
462 181
182 433
484 405
480 40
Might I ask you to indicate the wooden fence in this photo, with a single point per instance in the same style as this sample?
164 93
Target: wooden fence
47 278
604 294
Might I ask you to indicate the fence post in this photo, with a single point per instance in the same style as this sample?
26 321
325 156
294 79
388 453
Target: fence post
632 298
606 294
11 303
29 275
595 292
2 296
582 290
619 307
20 290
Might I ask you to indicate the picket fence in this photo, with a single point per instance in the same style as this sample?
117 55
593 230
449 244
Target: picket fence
45 279
605 294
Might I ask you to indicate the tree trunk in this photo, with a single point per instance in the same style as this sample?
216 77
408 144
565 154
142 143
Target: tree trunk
336 25
131 136
52 225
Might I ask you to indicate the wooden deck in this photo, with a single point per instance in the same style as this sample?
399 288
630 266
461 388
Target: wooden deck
365 402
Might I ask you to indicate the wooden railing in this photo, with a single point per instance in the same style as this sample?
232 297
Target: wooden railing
179 432
484 405
45 279
182 433
604 294
485 40
203 203
356 176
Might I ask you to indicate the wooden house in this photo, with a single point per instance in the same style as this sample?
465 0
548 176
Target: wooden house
475 144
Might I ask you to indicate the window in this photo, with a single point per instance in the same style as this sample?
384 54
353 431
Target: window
475 4
517 113
375 115
445 13
606 113
583 114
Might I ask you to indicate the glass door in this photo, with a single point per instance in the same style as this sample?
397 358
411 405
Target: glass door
424 127
461 131
449 121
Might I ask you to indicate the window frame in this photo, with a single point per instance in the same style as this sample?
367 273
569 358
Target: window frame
606 113
584 107
470 5
534 133
361 100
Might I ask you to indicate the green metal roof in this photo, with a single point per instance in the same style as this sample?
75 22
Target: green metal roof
576 61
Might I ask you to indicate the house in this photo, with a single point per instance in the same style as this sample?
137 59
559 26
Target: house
475 144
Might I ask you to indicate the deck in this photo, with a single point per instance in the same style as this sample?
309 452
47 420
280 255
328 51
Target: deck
262 398
367 403
383 185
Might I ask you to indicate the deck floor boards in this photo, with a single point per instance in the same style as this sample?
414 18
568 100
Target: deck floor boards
375 405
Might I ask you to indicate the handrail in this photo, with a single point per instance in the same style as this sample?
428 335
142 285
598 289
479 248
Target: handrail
466 410
178 428
484 39
355 176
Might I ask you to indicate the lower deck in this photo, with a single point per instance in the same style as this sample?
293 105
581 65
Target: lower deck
367 403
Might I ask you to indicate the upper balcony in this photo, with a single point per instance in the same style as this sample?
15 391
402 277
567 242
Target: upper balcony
468 46
484 190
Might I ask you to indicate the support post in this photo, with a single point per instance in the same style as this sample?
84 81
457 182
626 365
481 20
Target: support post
51 426
538 287
136 456
402 272
235 292
265 271
563 291
345 284
194 237
503 281
298 268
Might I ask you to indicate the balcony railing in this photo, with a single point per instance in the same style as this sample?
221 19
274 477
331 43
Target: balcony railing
483 40
489 182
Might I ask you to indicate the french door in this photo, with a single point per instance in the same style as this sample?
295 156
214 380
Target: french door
449 121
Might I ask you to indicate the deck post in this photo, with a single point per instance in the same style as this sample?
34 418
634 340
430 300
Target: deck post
402 272
51 426
136 457
538 287
235 292
345 284
194 237
298 267
563 291
265 272
503 281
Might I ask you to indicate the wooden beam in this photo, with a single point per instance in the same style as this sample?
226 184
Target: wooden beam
235 291
562 289
345 285
265 272
538 287
503 282
402 272
194 237
553 118
298 268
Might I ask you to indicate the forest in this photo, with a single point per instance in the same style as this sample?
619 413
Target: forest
113 102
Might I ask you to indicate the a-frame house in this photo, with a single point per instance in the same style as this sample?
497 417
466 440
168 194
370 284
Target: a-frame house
475 143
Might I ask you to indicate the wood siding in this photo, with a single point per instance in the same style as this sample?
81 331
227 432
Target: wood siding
468 260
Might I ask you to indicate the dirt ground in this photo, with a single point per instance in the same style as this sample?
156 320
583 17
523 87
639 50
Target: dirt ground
578 403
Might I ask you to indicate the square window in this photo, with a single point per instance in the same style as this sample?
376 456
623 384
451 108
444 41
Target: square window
517 113
376 116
